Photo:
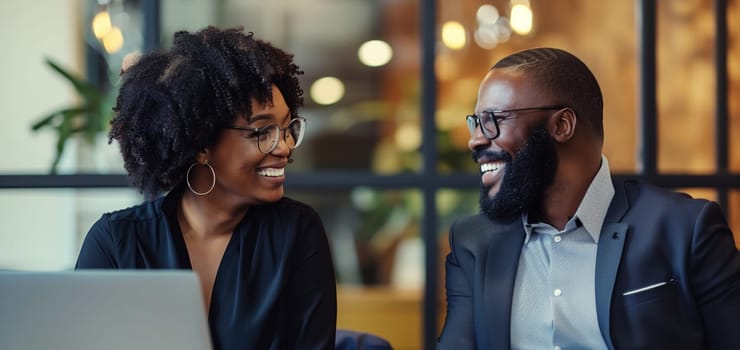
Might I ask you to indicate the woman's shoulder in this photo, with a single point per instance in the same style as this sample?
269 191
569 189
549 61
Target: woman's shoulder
117 224
289 210
142 211
292 204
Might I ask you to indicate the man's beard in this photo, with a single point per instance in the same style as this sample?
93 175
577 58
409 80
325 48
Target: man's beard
525 179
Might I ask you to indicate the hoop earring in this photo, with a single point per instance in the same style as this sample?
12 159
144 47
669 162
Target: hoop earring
187 179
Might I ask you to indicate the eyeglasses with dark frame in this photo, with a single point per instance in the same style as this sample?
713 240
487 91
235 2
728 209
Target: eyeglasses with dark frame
489 120
268 136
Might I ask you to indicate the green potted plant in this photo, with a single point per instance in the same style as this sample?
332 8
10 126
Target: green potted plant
88 118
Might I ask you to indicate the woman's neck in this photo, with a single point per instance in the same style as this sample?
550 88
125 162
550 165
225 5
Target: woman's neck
205 218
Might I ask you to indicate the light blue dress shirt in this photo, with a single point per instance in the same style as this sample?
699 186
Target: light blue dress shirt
554 303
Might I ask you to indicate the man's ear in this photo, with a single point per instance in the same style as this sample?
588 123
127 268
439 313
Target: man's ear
563 125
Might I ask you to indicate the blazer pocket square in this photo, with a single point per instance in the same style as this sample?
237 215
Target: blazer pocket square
645 289
656 291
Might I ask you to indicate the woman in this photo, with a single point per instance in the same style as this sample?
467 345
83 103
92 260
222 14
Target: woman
213 122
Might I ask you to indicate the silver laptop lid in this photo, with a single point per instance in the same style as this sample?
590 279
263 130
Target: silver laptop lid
102 309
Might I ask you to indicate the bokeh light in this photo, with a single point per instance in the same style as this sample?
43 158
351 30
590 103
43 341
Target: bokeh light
375 53
113 40
327 90
487 14
408 137
453 35
521 19
101 24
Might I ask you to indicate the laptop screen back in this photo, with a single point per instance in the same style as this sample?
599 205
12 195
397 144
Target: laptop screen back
102 309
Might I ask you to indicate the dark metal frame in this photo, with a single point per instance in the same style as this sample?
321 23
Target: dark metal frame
722 180
429 181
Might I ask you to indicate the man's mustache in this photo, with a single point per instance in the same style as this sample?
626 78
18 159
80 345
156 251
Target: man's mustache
490 155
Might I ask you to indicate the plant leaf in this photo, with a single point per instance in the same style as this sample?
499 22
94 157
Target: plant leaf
63 132
62 113
84 88
88 118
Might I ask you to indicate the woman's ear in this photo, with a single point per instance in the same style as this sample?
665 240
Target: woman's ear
202 156
563 125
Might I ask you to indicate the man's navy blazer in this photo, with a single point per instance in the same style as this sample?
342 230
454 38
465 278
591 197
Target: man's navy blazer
650 235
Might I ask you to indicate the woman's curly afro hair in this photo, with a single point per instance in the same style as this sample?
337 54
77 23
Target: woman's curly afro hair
174 103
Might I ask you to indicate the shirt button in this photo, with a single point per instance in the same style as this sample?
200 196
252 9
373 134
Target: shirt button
557 239
557 292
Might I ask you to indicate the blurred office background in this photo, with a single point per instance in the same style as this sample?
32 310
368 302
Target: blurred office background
387 86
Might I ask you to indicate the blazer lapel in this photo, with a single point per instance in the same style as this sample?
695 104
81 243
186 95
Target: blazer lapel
608 257
499 272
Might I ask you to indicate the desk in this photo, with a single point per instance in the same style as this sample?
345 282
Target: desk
394 314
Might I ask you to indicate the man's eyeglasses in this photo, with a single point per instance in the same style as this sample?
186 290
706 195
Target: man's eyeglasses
489 120
268 136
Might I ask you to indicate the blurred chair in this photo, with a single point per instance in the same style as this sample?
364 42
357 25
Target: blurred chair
353 340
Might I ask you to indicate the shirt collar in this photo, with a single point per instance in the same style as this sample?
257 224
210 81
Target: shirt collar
594 205
540 227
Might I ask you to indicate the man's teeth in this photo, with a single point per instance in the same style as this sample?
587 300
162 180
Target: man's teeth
486 167
271 172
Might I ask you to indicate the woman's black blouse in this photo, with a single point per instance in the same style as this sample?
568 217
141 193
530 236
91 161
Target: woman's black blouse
275 287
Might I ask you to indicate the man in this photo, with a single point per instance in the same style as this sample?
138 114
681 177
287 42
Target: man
564 257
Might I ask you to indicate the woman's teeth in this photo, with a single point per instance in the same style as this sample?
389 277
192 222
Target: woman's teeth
271 172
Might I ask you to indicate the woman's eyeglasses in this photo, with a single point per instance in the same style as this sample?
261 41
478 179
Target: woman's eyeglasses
268 136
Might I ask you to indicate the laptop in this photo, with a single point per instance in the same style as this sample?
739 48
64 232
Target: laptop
102 309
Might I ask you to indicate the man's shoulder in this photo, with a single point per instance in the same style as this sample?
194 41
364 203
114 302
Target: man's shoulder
473 222
659 197
480 227
649 203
